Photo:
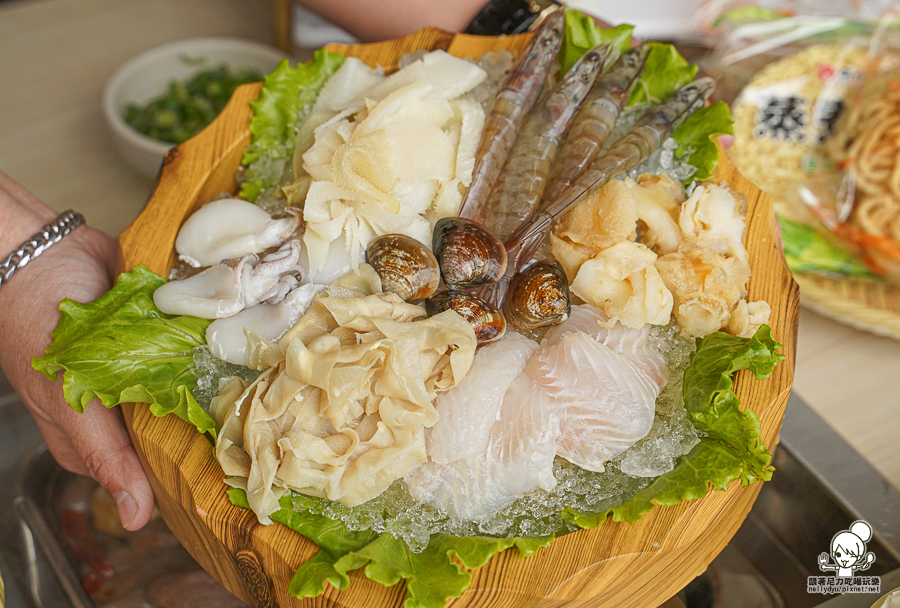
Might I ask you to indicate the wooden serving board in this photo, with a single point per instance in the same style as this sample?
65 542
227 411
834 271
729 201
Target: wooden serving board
617 564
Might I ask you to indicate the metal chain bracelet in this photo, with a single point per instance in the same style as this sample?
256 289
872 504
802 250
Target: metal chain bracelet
52 233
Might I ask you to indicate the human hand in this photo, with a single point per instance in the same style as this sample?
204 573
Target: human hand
79 267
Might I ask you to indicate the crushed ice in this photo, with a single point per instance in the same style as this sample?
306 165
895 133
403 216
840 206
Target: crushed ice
538 514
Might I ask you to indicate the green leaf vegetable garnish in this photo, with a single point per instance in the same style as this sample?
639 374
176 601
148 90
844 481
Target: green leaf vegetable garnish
188 106
432 576
286 98
730 448
120 348
806 250
665 72
582 34
696 137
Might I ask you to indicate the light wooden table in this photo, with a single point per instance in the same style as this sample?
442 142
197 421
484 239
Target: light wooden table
55 56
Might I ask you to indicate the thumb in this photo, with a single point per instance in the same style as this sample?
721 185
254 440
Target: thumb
99 438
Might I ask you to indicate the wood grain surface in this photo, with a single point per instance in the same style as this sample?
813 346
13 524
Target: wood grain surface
868 305
617 564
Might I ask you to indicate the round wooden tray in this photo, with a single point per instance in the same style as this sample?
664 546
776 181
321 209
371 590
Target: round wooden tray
617 564
872 306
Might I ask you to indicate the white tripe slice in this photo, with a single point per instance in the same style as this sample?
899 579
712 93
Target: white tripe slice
467 412
517 460
227 339
230 228
604 402
329 136
633 344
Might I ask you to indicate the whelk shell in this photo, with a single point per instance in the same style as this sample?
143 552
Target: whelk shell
485 318
469 254
406 266
537 296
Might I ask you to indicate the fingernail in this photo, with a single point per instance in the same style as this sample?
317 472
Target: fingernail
127 507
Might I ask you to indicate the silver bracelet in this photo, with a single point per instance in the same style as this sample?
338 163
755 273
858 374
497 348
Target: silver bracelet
40 242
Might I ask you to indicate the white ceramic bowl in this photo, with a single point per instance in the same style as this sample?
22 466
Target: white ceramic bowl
148 75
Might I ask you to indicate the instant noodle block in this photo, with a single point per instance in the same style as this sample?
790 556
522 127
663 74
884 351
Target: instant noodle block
616 564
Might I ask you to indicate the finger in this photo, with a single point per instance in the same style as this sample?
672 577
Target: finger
99 438
60 447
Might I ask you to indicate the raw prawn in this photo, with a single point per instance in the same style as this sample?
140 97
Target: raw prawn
595 121
513 103
521 184
627 152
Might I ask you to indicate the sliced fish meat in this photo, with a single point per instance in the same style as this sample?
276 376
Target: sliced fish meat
468 412
518 459
633 344
605 403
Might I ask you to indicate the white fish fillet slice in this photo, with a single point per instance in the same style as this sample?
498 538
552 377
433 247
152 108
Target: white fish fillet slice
633 344
517 461
605 403
468 411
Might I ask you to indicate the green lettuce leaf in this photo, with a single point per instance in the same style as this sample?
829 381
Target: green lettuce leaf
286 98
696 137
582 34
664 73
730 447
432 576
122 348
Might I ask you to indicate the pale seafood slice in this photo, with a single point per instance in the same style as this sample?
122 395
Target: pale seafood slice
517 460
713 218
706 286
633 344
227 339
607 216
230 228
604 402
225 289
623 282
340 90
747 317
385 172
468 412
658 199
450 76
215 293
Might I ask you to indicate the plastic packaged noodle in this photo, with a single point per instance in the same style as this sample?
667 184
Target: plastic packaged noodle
796 66
856 194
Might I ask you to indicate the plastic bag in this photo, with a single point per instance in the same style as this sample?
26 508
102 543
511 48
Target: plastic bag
794 68
858 200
